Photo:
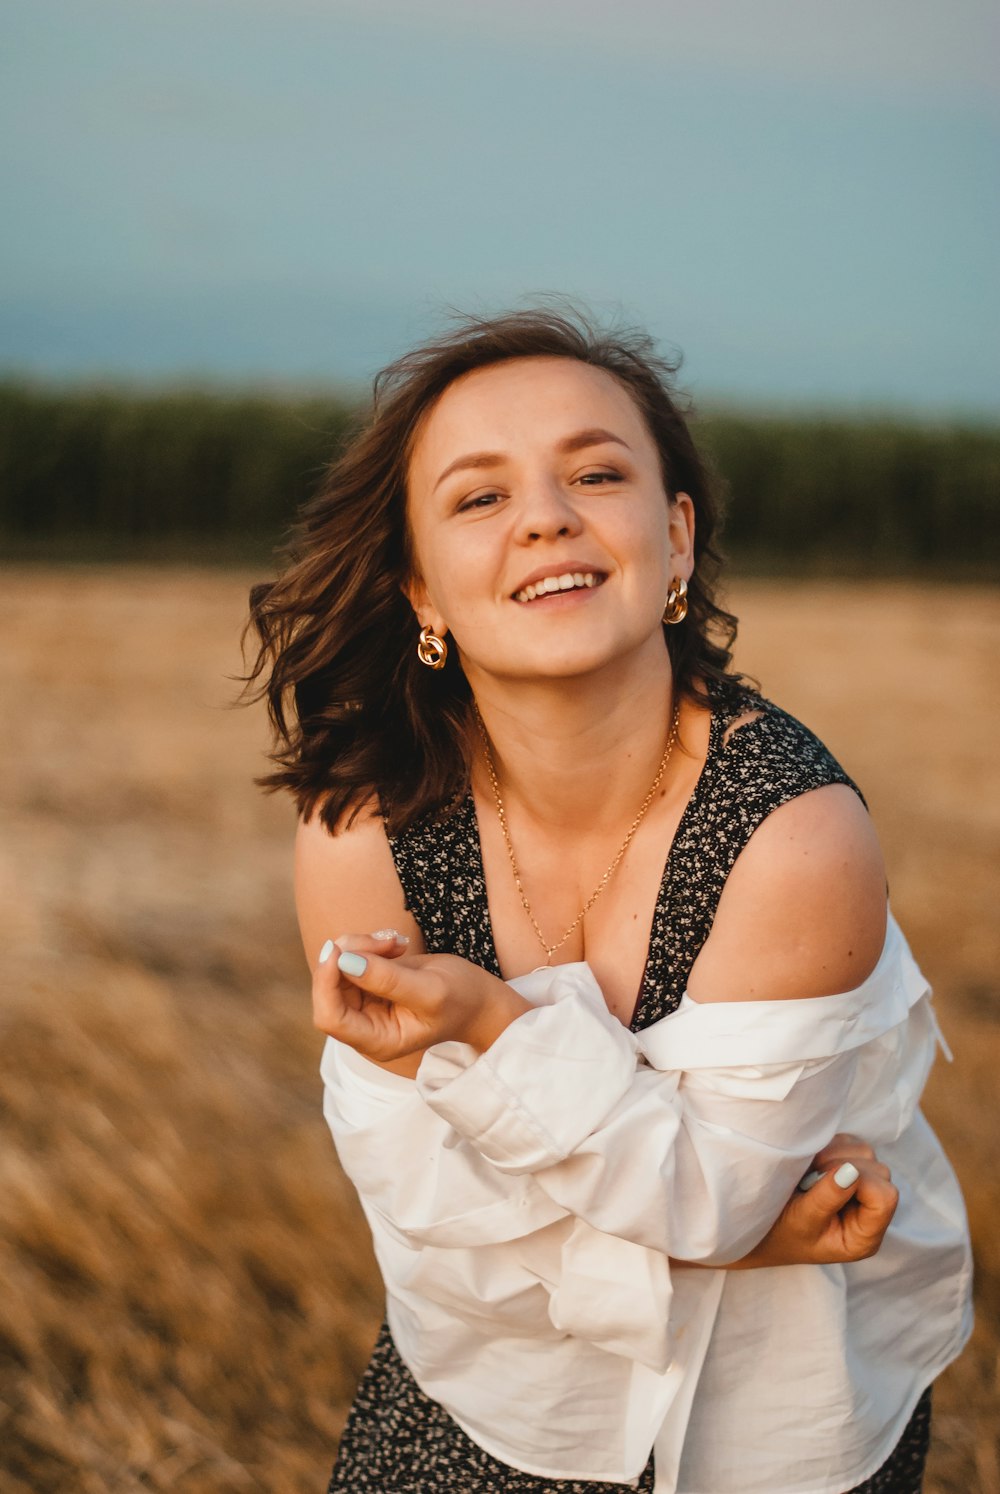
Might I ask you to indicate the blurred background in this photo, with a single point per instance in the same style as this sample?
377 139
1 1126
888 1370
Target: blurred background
221 217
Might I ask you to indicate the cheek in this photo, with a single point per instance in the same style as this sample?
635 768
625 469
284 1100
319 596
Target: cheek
430 555
459 575
649 543
646 536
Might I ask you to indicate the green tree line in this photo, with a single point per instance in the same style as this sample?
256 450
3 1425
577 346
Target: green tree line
95 472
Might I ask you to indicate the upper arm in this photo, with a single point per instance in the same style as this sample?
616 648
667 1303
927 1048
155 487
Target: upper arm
803 911
347 883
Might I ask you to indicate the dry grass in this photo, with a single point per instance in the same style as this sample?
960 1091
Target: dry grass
188 1294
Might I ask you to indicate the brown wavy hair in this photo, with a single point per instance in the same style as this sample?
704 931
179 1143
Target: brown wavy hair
354 712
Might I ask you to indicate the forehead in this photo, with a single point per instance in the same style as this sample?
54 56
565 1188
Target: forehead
522 402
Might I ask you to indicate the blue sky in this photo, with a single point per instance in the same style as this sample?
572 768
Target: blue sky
801 197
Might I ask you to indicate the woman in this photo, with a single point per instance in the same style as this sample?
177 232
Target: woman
517 737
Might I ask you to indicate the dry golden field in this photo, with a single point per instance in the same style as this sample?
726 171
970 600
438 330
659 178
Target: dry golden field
186 1289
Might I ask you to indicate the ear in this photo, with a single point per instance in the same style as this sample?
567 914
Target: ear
415 593
681 530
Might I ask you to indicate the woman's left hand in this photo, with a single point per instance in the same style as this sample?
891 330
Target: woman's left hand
389 1008
842 1216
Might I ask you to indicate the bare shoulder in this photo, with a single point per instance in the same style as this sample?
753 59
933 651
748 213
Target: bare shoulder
803 911
347 883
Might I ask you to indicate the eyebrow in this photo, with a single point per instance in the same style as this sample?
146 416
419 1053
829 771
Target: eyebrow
595 436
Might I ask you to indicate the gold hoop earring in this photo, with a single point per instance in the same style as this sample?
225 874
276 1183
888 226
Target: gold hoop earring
676 608
431 650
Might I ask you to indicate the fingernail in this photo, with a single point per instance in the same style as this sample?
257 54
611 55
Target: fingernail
846 1175
809 1180
351 963
326 952
390 934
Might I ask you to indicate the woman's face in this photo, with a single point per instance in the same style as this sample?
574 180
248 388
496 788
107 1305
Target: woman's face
542 537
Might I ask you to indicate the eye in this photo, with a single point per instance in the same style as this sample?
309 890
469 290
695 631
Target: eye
478 501
594 479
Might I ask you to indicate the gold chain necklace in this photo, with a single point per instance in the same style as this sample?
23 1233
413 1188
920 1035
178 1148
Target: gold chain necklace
550 949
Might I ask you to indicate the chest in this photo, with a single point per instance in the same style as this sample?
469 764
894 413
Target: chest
573 897
613 936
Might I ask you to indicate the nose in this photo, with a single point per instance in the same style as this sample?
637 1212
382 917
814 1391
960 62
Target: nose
546 511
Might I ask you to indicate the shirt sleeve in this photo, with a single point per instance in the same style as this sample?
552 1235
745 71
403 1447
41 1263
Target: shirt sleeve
689 1138
425 1185
449 1225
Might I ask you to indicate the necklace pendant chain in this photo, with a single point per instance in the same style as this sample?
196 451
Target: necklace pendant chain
550 949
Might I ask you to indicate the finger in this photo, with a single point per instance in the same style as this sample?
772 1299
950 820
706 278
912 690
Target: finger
871 1211
386 942
342 1011
392 943
388 979
330 1009
829 1190
831 1162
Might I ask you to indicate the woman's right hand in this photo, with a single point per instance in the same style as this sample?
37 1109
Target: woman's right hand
832 1221
388 1005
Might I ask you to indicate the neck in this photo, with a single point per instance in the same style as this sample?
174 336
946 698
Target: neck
578 750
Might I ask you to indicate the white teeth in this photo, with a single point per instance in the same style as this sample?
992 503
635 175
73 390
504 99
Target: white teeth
568 581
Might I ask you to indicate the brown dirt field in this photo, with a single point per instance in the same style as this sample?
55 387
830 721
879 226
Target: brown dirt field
187 1291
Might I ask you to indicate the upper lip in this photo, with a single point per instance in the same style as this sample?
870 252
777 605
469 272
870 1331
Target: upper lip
559 568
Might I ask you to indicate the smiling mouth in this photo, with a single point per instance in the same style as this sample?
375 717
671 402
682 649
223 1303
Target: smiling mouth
565 581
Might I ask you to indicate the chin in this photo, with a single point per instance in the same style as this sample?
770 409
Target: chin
570 664
574 657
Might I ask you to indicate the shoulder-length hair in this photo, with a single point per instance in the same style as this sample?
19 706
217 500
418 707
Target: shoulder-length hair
355 714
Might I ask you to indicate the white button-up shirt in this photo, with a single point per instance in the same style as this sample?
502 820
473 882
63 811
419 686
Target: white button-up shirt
524 1203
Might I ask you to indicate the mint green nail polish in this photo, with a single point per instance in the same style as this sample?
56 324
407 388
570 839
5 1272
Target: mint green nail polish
846 1175
810 1179
351 963
326 952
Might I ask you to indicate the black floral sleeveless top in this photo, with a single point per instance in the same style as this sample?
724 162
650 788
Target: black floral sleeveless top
763 764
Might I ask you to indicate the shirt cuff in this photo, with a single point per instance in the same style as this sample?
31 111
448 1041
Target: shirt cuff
548 1081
